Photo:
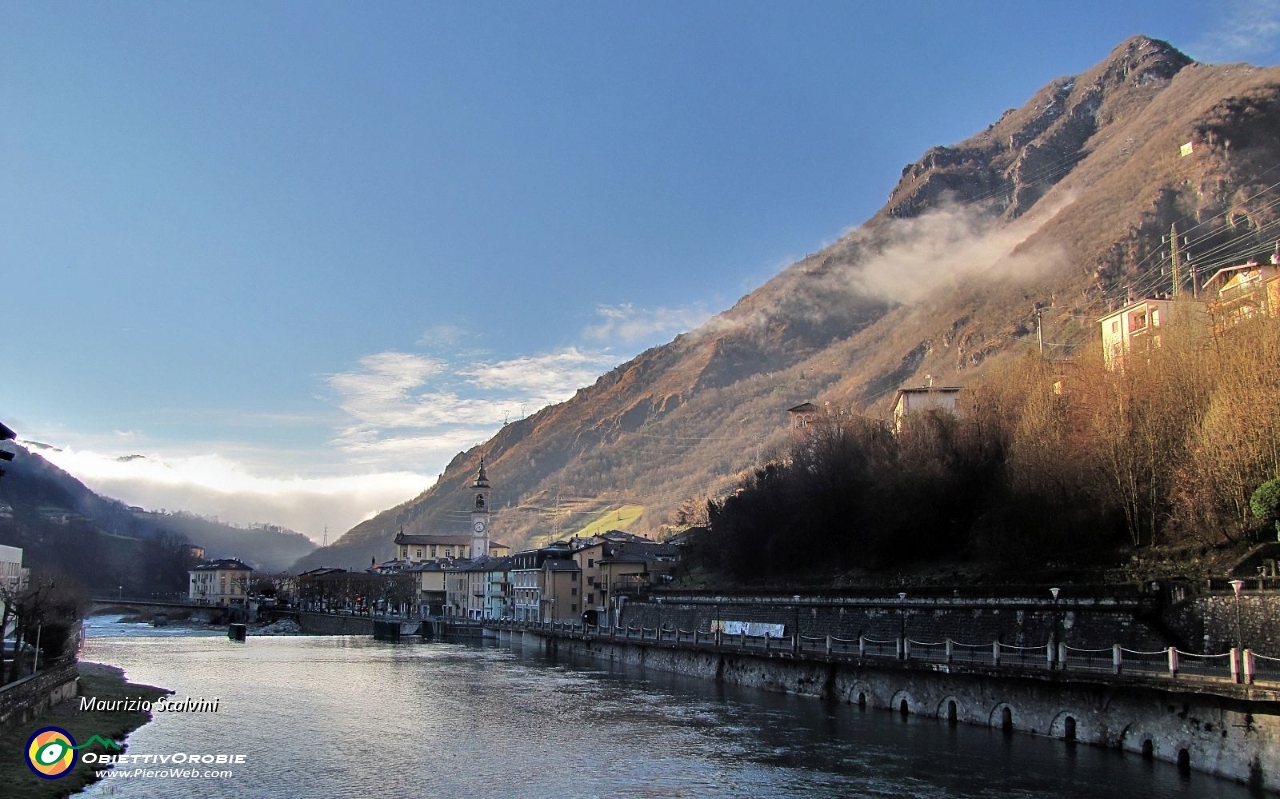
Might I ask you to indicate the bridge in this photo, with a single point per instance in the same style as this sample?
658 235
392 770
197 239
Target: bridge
149 605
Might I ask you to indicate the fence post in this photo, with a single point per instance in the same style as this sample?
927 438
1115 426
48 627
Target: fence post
995 653
1235 664
897 648
719 641
906 648
1173 662
828 646
862 646
1116 658
949 652
742 640
766 641
1062 656
1247 657
1048 653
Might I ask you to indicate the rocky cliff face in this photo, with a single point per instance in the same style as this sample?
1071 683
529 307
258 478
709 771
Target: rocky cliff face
1060 206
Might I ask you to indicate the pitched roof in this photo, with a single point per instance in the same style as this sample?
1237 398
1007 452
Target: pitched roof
437 540
224 564
560 565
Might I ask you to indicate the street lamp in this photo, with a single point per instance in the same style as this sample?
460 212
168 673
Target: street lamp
1053 634
1236 586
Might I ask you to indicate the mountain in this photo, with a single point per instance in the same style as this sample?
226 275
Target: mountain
1052 215
42 509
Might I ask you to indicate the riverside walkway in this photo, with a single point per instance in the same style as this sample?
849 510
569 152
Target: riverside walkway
1119 664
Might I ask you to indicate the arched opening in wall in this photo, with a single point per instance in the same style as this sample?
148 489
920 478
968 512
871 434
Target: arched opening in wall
862 700
1006 719
902 707
1184 762
1069 729
1148 750
951 711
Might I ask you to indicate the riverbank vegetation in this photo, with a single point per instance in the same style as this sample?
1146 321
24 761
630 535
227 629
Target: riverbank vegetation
96 680
1071 464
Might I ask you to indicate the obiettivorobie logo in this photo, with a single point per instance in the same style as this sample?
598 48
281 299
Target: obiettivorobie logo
51 752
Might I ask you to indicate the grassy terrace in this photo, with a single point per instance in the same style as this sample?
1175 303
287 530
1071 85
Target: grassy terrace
96 680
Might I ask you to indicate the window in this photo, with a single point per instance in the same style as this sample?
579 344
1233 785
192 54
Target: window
448 552
419 553
591 580
573 577
591 562
573 608
433 551
573 592
591 598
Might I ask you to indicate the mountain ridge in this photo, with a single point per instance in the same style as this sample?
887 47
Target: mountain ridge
1048 216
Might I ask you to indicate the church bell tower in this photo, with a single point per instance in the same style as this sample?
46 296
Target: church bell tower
480 514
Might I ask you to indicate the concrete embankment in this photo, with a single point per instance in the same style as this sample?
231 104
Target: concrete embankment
1232 731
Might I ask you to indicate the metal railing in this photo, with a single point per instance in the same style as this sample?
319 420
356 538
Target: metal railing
1236 666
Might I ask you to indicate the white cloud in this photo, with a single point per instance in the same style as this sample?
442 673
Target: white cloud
214 485
630 325
1249 28
541 380
403 407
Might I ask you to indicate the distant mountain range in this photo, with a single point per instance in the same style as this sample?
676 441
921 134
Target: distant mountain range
1053 214
43 509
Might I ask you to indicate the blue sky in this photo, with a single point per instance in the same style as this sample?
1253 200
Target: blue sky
300 254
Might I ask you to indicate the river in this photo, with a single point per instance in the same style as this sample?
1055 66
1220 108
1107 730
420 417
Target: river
351 717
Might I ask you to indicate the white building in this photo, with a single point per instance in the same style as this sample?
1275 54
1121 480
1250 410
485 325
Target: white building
222 582
924 398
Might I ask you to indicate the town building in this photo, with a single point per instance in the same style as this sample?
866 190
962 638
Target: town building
224 582
474 544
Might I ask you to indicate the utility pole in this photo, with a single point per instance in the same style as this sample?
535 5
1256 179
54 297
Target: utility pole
1175 258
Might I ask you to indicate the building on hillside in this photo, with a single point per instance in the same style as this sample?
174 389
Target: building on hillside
196 551
13 578
224 582
1238 293
803 415
924 398
1138 326
528 586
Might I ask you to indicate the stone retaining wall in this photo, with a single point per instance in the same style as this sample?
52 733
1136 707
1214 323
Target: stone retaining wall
29 697
1233 734
1210 621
